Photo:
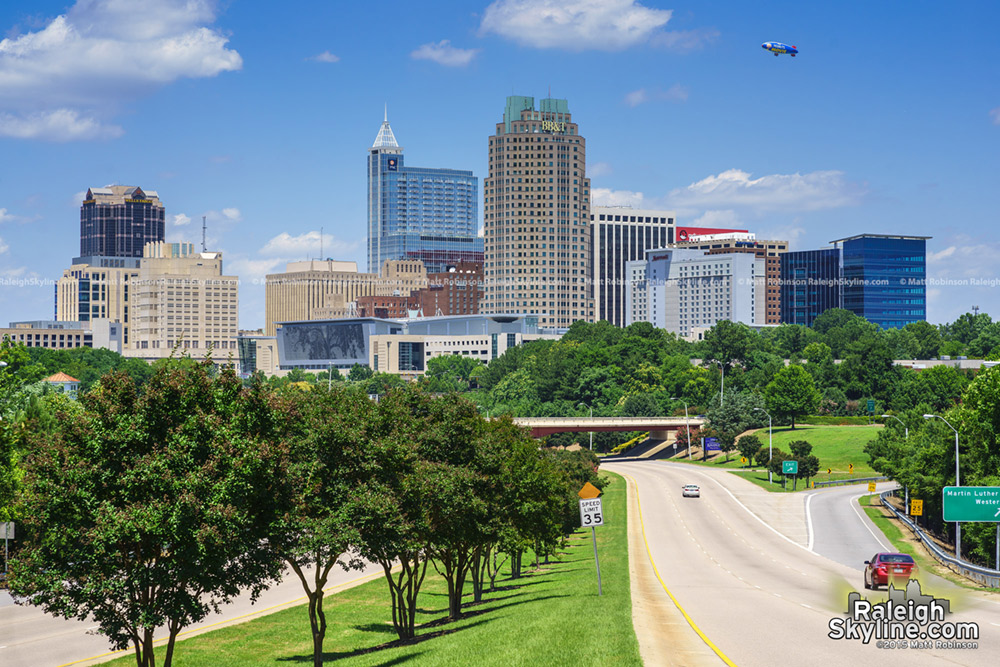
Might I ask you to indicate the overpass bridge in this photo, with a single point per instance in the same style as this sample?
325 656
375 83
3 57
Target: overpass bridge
658 427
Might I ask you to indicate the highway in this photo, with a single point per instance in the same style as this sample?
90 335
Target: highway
31 638
761 575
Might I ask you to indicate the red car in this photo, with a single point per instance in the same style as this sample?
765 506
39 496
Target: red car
885 567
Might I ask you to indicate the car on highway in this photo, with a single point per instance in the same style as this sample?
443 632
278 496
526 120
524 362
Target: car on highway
886 567
691 491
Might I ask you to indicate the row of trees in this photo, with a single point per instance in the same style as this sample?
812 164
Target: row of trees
148 505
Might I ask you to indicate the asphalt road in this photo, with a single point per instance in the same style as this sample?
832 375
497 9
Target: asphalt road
31 638
766 596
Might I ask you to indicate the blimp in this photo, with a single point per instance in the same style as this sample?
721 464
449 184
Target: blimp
777 48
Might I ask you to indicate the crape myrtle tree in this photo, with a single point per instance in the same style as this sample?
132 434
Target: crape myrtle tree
147 508
329 467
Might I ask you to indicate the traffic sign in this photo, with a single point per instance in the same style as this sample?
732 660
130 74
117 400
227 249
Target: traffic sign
829 470
591 512
743 459
871 406
850 467
589 491
916 507
789 467
871 487
971 503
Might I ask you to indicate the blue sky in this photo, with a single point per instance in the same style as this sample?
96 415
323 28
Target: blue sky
258 115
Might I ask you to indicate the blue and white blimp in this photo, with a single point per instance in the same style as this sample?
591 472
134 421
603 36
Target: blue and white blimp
777 48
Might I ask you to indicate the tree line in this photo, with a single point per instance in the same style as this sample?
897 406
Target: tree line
147 505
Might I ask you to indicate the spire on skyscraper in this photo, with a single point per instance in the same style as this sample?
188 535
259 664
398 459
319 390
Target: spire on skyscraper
385 138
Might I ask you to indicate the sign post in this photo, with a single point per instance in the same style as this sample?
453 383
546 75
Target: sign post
592 514
8 534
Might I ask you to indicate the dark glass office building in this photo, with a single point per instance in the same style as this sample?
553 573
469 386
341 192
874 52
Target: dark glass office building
419 213
810 284
884 278
119 220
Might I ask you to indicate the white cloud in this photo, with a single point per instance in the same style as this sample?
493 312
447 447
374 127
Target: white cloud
57 125
443 53
325 57
727 219
735 188
253 270
607 197
676 93
599 169
3 246
306 245
99 54
606 25
995 115
232 214
180 220
636 97
6 217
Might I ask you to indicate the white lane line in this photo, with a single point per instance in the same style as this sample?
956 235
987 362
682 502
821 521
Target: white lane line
861 517
805 605
751 513
809 521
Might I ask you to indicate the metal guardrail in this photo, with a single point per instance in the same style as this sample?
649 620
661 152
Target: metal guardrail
983 575
852 480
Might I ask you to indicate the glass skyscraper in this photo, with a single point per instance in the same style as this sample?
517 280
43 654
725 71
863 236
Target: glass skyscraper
810 284
885 278
419 213
118 221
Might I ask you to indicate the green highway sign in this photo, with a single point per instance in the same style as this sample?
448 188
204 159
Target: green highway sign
871 406
789 467
971 503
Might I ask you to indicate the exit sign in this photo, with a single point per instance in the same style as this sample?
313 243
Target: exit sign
971 503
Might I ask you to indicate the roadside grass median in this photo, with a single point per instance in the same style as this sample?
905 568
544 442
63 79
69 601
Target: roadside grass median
838 448
549 616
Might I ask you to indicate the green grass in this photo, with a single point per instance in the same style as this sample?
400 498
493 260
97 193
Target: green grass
836 447
552 616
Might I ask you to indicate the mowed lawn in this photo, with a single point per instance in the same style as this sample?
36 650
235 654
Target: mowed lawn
550 616
836 447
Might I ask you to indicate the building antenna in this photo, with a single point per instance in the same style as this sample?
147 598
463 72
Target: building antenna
204 228
975 311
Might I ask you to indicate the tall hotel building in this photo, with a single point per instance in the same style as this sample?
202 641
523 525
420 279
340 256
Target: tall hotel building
537 216
621 235
417 213
118 221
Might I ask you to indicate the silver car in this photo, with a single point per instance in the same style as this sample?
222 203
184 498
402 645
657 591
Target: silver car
691 491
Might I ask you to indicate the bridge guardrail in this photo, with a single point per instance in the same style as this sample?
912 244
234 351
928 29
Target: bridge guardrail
853 480
983 575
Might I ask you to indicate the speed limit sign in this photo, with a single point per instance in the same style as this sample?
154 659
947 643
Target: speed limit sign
591 512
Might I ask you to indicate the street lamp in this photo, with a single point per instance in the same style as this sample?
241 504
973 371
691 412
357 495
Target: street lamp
687 425
770 444
591 417
722 382
958 524
905 427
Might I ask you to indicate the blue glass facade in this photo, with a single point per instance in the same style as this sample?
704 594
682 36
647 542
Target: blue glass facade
810 284
885 278
420 213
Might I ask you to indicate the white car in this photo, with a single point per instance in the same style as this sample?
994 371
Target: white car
691 491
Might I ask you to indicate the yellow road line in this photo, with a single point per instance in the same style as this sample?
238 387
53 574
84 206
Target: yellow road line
256 612
694 626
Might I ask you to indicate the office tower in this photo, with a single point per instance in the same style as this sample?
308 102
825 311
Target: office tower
810 284
418 213
537 215
735 241
182 300
692 289
329 289
119 220
621 235
884 278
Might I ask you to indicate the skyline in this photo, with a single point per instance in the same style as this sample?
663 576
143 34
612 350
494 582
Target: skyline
884 123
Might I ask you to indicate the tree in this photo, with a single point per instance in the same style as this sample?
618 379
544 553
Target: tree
729 341
792 393
327 478
359 373
148 508
749 445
